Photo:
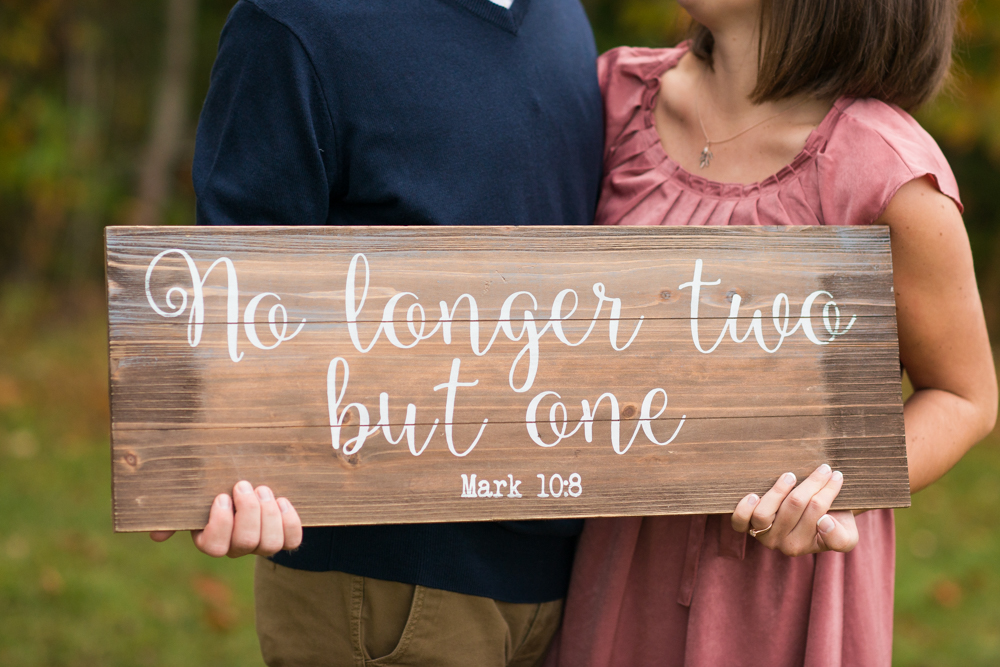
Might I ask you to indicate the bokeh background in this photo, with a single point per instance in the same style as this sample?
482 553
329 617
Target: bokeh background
99 100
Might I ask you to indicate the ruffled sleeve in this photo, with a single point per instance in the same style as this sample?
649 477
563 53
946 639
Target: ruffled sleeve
629 79
873 150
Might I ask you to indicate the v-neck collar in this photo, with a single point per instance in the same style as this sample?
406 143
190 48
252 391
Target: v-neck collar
508 19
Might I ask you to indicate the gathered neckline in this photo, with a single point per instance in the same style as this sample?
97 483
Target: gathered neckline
706 186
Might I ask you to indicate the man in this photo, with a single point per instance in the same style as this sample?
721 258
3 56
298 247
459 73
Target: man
399 112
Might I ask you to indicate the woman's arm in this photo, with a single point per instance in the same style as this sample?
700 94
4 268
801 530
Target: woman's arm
944 346
943 343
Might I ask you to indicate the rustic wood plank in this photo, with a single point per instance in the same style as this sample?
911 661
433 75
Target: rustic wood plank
645 274
190 420
142 389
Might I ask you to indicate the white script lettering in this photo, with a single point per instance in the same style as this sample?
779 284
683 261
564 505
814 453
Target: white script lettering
779 304
196 320
559 420
531 330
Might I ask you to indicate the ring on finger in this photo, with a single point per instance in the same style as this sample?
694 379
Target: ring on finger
757 532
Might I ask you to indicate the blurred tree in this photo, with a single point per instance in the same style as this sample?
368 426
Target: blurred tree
967 115
636 22
79 84
169 115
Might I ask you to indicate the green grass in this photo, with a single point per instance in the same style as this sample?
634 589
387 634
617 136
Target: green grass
71 591
948 567
74 593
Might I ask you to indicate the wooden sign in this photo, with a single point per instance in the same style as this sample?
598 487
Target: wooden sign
394 375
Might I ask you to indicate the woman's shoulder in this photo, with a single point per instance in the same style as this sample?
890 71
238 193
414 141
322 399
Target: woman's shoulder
635 65
872 150
878 121
630 78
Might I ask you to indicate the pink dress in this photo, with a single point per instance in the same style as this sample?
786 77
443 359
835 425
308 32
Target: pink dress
688 590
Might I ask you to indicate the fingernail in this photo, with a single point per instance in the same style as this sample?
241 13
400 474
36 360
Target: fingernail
223 501
753 499
264 494
824 469
788 478
825 524
838 475
284 505
244 487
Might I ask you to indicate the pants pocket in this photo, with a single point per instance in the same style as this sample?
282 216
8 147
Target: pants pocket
389 611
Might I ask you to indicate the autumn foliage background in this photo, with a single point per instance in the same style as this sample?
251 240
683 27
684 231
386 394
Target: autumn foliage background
99 101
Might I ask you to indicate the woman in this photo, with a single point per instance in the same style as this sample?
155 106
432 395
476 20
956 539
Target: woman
788 112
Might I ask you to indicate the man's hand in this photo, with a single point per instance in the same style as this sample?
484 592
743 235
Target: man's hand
260 525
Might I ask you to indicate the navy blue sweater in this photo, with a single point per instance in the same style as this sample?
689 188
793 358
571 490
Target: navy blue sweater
409 112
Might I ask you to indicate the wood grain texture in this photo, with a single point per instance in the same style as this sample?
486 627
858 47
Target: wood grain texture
188 421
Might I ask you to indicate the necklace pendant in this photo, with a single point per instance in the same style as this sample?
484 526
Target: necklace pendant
706 156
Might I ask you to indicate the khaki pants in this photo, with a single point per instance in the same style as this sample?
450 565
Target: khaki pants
341 620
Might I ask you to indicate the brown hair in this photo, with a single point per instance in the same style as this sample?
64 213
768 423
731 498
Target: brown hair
897 51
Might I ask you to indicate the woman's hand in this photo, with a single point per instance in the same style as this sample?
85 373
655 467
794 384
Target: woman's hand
799 517
261 524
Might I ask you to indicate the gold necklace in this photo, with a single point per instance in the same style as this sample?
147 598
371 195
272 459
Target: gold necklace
706 152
